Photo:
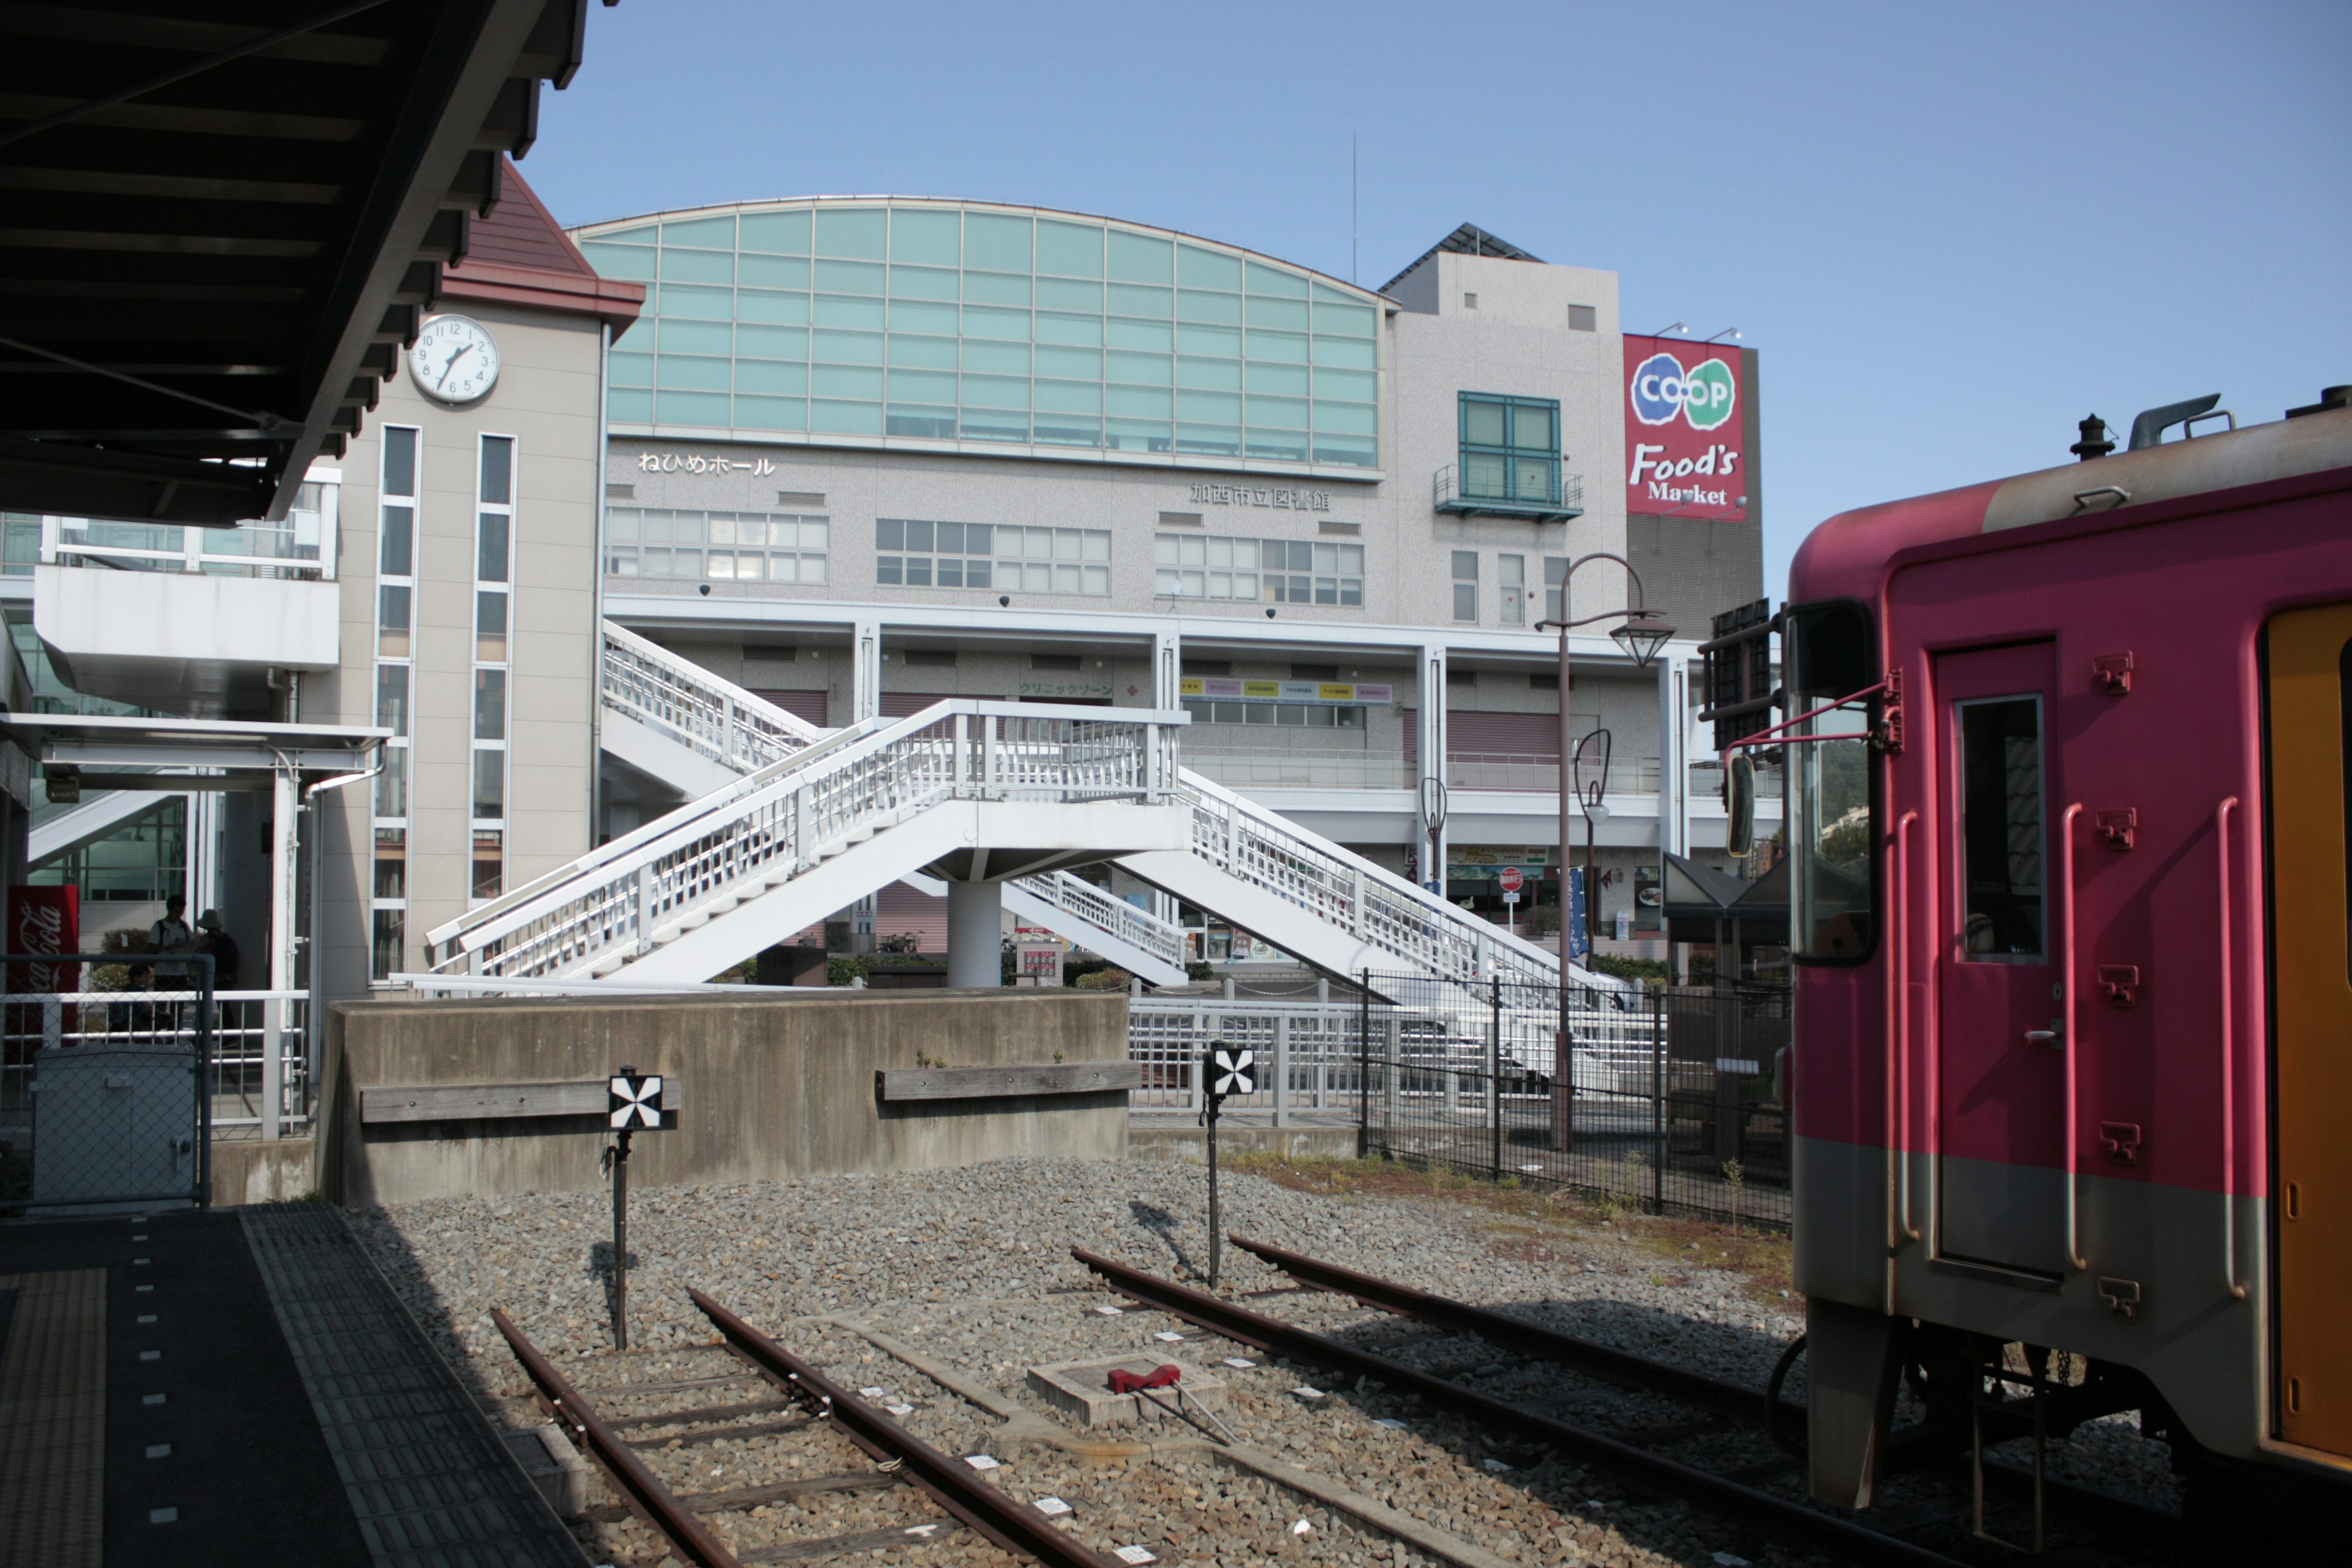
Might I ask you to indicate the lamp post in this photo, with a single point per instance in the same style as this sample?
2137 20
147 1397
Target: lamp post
1641 632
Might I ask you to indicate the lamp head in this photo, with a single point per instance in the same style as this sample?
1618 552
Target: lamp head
1641 635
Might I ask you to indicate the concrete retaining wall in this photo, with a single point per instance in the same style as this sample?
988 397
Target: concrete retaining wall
246 1171
778 1083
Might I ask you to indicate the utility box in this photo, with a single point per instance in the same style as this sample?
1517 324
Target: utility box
114 1128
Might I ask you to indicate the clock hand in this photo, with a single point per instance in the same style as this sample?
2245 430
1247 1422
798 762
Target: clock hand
445 369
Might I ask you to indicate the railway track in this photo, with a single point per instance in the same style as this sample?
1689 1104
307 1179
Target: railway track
1638 1458
776 1394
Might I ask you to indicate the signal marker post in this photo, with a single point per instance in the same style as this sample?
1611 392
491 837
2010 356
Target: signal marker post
633 1099
1226 1070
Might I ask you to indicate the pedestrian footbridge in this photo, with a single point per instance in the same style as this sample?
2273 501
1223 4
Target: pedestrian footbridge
997 802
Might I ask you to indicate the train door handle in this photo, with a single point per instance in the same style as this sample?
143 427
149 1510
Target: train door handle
2053 1036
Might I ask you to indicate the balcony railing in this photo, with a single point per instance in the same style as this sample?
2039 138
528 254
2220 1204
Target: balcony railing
1331 768
1540 492
302 548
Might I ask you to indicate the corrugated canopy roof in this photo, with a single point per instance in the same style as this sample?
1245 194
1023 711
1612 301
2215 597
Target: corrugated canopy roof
224 220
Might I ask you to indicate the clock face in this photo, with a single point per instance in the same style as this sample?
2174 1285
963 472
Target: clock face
455 360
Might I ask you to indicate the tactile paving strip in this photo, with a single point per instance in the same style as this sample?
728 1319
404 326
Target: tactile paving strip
429 1481
53 1420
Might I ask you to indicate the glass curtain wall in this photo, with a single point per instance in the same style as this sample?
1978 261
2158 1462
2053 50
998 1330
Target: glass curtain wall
938 323
394 672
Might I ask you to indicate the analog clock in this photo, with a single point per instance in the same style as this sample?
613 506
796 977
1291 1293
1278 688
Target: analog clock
455 360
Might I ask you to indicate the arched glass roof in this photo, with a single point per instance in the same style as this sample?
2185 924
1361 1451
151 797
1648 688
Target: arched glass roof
997 329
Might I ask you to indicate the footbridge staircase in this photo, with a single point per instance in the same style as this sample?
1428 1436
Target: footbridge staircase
798 822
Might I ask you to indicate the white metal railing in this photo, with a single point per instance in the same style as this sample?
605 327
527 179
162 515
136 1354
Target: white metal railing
716 719
1255 844
261 1075
1377 907
737 729
1107 913
1312 1055
261 1063
706 857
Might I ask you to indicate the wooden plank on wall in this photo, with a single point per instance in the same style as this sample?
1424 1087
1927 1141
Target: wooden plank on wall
987 1083
493 1102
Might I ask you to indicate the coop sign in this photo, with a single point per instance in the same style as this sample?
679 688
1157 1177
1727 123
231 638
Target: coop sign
695 463
1684 439
1279 496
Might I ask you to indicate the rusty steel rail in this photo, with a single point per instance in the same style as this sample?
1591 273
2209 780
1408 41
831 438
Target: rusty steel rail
1789 1522
1909 1449
951 1483
654 1504
1607 1362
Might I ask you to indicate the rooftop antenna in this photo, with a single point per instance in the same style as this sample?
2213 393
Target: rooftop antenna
1352 206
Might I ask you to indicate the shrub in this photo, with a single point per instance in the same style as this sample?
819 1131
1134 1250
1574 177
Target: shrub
1651 970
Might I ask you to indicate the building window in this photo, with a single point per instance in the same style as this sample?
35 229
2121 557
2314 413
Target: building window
1583 319
397 487
494 515
1258 571
1555 574
1465 585
1511 588
1510 448
1294 715
926 321
715 546
913 553
20 543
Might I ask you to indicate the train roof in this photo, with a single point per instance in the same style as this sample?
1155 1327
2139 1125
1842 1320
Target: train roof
1848 556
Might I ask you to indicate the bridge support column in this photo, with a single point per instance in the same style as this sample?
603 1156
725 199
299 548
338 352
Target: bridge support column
975 933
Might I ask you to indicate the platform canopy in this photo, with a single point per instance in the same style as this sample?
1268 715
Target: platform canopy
224 219
104 752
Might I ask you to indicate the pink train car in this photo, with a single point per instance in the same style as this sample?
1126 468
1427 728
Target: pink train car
2073 1054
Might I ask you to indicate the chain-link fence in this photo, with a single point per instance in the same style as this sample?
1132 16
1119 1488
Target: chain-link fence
105 1081
1675 1102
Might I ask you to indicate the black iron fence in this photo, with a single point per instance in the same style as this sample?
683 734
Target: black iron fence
106 1081
1674 1100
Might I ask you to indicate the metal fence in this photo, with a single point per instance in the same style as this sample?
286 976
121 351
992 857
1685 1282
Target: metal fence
106 1096
1675 1103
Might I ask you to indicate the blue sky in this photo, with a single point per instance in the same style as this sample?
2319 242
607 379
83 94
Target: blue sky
1950 231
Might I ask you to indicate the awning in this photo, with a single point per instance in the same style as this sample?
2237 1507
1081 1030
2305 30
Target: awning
1698 897
224 224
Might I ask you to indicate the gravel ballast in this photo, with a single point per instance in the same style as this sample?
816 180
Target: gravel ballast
972 1269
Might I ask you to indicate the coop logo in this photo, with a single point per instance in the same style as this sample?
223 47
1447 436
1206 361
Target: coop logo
1703 398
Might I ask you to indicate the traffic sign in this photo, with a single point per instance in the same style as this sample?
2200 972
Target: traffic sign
634 1100
1232 1070
1512 879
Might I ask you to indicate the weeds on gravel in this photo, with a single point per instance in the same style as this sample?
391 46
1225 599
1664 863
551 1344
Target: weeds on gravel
1538 1219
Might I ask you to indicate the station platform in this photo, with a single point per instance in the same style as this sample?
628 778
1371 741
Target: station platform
239 1387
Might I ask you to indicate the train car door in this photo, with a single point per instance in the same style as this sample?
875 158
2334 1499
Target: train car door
2310 736
2002 1089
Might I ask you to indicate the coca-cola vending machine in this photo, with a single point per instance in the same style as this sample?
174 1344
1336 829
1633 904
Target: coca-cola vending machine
40 919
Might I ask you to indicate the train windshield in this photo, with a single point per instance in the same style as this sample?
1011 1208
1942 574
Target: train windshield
1832 842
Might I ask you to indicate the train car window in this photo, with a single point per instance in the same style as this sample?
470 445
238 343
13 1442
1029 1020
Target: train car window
2001 829
1833 842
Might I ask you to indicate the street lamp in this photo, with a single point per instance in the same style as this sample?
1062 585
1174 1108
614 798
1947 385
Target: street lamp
1641 632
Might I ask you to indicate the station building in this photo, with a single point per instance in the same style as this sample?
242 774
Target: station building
857 454
864 453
